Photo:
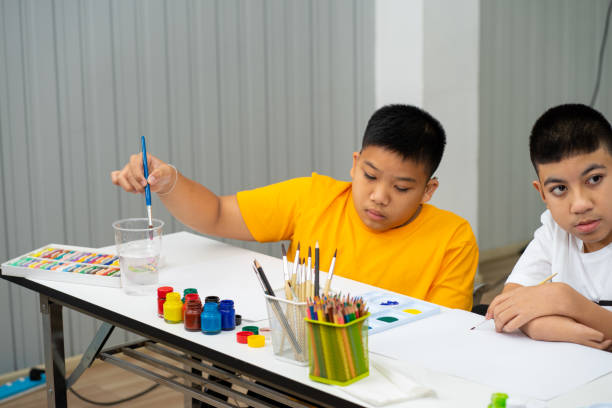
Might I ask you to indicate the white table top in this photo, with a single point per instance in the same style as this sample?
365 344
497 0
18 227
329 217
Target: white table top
215 268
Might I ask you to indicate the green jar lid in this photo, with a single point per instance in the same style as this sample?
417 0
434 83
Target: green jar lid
252 329
188 290
498 400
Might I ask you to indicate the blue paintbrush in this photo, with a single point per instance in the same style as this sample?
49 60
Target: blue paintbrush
146 174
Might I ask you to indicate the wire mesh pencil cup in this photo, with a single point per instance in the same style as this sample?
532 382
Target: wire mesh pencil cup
338 353
289 340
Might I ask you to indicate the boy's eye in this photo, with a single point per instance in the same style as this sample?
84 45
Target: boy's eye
595 179
558 190
369 176
401 189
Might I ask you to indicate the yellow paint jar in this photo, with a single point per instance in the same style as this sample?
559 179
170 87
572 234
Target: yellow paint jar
173 308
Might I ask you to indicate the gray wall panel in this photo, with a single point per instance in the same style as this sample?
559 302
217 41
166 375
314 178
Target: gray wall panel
534 55
236 94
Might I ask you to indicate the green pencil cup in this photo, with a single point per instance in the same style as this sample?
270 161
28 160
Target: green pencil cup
338 353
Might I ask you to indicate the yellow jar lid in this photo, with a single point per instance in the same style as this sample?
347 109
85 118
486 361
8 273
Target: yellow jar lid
173 296
256 340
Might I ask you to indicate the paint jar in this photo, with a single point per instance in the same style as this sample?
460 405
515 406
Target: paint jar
139 249
211 318
228 315
187 291
213 299
193 312
173 308
162 291
187 297
338 353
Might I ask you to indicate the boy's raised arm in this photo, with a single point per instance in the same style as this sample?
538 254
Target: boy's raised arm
190 202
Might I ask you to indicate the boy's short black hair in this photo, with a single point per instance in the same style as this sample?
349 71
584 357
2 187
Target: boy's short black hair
409 131
567 130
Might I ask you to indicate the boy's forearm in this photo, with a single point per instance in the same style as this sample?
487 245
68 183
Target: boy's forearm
199 208
589 313
192 204
547 328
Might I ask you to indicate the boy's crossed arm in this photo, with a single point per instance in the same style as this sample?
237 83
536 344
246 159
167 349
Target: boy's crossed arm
552 312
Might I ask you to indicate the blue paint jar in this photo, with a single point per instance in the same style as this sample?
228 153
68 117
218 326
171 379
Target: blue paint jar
211 319
228 315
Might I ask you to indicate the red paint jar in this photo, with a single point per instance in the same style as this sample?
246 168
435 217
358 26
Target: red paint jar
162 291
193 311
189 296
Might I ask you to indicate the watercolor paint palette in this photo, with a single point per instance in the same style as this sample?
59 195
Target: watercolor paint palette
388 310
66 264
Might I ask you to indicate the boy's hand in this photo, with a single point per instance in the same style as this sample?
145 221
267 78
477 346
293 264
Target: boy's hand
131 177
512 309
562 328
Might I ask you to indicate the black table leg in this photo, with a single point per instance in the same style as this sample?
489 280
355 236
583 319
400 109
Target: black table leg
55 364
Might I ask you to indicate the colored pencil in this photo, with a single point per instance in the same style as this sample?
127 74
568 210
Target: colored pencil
316 270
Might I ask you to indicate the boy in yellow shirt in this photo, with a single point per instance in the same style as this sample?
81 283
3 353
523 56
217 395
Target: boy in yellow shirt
571 151
385 233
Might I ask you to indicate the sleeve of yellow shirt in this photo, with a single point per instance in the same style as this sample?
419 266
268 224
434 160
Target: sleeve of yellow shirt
270 212
454 285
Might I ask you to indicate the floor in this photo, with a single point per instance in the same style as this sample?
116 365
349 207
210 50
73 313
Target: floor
103 382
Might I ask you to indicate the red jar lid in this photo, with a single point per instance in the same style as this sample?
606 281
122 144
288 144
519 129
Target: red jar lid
162 291
242 337
192 296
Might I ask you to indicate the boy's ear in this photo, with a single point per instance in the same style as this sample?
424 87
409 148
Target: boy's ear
354 168
430 188
536 184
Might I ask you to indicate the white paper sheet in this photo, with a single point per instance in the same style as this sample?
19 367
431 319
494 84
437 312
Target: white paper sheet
511 363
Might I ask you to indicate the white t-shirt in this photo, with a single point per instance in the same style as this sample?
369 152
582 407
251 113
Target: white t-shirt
555 250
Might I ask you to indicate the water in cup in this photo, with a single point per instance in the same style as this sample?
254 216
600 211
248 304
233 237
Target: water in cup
139 249
139 272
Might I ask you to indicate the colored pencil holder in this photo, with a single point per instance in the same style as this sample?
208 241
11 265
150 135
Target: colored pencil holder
338 353
283 314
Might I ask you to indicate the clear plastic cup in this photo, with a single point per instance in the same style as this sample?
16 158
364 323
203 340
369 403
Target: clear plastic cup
138 248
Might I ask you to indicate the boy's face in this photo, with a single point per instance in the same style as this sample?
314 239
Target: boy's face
387 190
578 193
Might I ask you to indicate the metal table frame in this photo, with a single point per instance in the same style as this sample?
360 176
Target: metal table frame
264 382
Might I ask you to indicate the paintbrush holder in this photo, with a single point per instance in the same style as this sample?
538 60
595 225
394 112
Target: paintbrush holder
338 353
294 314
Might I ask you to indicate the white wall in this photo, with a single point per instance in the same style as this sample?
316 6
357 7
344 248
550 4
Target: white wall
399 52
427 55
451 31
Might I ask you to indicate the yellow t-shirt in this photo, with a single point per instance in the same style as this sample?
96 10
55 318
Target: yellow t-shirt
434 257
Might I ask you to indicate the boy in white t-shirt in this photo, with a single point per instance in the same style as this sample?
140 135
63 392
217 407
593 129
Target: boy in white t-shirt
571 150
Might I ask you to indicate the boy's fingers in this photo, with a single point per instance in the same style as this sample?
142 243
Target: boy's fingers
491 309
604 345
114 177
136 169
123 183
135 183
